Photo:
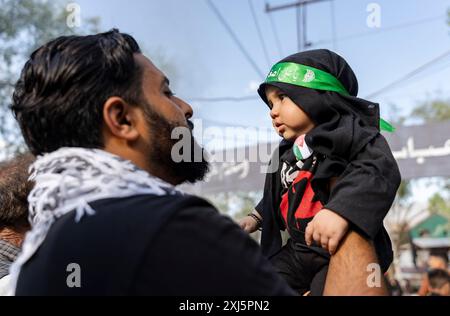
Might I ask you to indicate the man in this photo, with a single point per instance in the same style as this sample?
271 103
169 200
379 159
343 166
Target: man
439 282
437 261
14 189
107 219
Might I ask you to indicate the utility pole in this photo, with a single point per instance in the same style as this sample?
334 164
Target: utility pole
301 7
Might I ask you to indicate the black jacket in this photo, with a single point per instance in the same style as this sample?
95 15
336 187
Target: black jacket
363 194
150 245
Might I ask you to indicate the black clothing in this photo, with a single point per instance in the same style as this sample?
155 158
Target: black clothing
303 269
150 245
344 125
363 194
347 146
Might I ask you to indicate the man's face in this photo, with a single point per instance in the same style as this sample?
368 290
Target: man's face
435 262
163 113
156 91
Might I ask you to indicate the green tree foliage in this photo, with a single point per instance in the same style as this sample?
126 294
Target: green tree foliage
448 16
433 111
24 26
438 204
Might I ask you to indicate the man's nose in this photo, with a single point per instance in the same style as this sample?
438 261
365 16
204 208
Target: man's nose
186 108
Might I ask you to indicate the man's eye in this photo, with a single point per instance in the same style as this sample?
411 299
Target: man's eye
281 96
169 93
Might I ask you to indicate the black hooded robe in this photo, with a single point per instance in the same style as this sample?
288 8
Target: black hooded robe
347 137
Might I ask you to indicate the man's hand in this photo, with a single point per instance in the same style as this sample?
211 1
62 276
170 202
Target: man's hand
249 224
327 229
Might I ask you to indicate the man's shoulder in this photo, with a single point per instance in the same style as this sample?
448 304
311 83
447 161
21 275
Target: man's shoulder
148 205
140 215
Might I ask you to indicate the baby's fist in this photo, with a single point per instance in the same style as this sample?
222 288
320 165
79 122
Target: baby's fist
327 229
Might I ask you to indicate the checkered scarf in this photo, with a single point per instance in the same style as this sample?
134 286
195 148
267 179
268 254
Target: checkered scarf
68 180
8 253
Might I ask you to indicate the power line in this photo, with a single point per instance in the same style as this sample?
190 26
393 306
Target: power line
275 33
291 5
235 38
378 92
408 75
430 71
258 29
229 124
423 76
434 94
301 6
333 24
223 99
248 98
300 38
304 36
387 29
6 83
237 137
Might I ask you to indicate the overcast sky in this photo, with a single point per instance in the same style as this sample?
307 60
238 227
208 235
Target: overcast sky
210 64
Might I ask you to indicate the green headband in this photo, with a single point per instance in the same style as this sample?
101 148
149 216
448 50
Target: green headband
313 78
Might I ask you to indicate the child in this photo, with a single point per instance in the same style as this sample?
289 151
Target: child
336 171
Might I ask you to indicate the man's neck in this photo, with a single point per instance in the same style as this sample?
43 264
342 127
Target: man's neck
140 161
12 236
161 174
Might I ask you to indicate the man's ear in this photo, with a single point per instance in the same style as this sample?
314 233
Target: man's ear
120 119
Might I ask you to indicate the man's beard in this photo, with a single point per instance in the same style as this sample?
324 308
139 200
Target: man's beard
160 151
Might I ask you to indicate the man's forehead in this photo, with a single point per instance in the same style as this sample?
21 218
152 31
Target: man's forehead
150 70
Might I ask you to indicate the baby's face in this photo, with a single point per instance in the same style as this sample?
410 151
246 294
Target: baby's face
288 119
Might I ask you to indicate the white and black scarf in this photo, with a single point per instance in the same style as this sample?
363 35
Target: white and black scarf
68 180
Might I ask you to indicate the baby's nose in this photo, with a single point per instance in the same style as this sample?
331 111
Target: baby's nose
274 113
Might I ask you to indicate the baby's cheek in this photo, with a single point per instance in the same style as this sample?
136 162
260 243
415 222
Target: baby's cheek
297 118
290 136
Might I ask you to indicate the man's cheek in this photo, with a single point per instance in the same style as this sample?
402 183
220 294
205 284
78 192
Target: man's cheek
176 114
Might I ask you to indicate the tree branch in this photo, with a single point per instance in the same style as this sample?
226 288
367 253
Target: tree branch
6 84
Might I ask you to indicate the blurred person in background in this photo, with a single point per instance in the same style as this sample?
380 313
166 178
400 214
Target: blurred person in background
14 190
437 260
439 282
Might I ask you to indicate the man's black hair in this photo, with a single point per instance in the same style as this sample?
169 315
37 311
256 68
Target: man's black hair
58 100
438 278
14 190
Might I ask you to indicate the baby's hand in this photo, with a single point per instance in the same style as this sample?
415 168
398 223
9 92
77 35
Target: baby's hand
248 224
327 229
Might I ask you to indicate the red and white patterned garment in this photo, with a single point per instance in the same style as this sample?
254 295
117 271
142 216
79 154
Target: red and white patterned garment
298 202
